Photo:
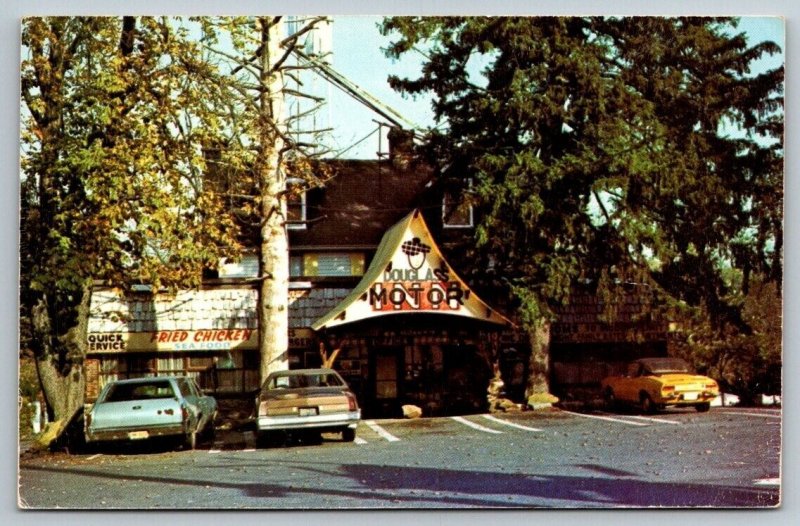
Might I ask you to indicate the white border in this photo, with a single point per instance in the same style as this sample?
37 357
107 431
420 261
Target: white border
15 9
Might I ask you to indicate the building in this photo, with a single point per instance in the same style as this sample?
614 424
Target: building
421 336
371 277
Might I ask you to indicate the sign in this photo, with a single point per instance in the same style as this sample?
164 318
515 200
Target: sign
301 338
181 340
409 275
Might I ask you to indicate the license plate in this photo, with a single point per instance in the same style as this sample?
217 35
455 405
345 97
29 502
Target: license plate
138 435
690 396
308 411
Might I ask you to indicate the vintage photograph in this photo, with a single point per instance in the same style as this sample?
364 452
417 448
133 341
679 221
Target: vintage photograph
294 262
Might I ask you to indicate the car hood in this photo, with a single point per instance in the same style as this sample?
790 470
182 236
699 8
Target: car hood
683 378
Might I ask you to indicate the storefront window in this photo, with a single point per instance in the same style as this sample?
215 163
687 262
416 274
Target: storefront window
327 264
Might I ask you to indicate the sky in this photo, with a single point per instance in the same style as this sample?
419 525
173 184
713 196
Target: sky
358 55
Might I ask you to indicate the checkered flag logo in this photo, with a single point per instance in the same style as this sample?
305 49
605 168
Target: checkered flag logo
416 251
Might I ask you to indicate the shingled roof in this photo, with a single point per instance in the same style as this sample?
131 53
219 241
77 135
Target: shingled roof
360 201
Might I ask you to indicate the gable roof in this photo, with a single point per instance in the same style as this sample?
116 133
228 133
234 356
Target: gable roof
355 206
409 275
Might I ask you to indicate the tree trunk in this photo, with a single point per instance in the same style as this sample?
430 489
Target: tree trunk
539 365
60 334
273 312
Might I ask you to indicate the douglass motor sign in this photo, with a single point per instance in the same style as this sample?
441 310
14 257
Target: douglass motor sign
409 275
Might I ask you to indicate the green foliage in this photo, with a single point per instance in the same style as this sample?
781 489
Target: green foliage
599 151
745 364
114 120
115 116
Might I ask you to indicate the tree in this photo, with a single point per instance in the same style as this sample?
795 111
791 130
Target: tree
261 152
748 365
602 150
114 117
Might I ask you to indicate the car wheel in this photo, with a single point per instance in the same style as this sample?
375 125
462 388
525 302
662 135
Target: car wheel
312 438
210 433
702 408
646 403
348 434
609 398
268 439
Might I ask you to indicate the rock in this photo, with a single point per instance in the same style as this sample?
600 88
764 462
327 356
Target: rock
412 411
51 432
504 405
541 400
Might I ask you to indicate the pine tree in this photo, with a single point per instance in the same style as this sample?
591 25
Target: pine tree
601 150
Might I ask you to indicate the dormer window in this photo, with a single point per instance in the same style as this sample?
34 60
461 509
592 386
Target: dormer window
456 214
296 213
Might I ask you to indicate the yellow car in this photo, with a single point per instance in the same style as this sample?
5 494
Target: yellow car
654 383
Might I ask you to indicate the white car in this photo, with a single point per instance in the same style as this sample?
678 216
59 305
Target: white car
144 408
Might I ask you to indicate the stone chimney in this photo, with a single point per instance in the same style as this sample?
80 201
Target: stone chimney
401 146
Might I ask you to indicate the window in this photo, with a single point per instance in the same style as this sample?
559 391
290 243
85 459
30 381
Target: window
295 266
296 204
456 214
327 264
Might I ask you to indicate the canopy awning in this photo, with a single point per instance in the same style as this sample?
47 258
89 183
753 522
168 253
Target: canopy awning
408 275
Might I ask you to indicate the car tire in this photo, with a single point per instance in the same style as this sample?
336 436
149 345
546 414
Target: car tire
313 438
211 428
646 404
348 434
703 408
609 398
269 439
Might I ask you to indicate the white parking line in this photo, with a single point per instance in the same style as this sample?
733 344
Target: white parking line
763 415
381 431
767 482
475 426
652 419
360 441
607 418
95 456
511 424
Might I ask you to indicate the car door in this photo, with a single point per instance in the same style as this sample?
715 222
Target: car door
207 405
628 386
190 401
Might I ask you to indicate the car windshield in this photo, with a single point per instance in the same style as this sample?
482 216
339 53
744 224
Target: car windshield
294 381
140 391
667 365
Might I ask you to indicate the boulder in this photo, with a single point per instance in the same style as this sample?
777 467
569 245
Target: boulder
412 411
541 400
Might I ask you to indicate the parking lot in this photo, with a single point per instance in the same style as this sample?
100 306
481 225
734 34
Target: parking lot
729 457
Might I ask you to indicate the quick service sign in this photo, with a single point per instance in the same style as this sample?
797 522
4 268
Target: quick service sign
181 340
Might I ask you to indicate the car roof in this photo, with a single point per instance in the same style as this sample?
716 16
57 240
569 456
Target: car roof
661 359
147 379
302 372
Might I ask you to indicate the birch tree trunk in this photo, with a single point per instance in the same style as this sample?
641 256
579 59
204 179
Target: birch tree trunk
273 313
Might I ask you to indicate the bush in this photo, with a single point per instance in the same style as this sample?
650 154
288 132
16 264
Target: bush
29 392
